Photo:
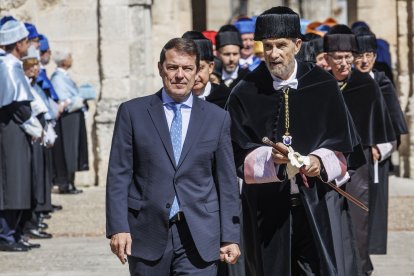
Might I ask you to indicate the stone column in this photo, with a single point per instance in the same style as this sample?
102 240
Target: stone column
125 50
405 81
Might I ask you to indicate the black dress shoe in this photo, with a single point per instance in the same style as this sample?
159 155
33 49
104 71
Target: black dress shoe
12 247
37 234
57 207
29 245
43 216
72 191
42 225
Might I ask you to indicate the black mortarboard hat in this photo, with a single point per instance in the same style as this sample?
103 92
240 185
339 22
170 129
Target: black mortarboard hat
339 38
366 40
277 22
205 46
228 35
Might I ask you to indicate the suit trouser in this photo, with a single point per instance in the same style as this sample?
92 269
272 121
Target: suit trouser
9 221
180 257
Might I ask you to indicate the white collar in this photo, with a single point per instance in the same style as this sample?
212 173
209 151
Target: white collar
372 74
233 75
291 82
13 59
62 71
206 92
248 61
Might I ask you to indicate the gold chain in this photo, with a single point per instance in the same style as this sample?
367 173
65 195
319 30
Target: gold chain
286 93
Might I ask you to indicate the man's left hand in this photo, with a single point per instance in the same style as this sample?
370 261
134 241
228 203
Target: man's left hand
229 253
313 169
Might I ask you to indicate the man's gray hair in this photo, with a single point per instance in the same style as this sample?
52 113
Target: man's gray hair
60 56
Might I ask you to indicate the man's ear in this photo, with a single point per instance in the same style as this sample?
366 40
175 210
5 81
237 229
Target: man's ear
160 69
298 44
211 67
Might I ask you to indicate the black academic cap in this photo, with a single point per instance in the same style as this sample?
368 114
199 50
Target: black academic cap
366 40
228 35
205 46
317 42
277 22
218 66
307 52
339 38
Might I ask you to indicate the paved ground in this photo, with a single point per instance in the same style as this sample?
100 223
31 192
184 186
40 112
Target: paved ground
80 248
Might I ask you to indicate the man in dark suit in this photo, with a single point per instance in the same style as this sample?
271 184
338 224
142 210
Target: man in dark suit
172 196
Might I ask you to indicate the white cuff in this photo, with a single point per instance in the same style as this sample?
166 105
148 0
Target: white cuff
335 165
32 127
259 167
386 149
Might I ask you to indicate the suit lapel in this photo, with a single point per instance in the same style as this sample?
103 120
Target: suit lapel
157 114
196 122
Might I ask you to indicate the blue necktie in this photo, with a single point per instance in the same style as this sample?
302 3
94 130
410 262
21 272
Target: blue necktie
176 136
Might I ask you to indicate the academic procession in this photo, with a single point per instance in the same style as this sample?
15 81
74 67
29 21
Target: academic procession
265 149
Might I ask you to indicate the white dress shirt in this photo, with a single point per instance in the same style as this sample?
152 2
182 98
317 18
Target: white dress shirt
206 92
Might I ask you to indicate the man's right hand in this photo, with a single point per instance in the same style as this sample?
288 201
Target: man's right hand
121 245
279 157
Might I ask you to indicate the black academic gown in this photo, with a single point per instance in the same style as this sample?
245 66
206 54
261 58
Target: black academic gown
318 119
16 179
379 200
42 171
372 120
218 95
70 152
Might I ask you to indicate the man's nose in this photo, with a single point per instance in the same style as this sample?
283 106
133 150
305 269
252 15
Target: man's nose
180 73
275 53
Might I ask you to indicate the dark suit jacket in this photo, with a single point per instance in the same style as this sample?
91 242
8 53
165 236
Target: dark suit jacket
142 176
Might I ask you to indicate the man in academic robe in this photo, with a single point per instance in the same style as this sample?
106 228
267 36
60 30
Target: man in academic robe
70 151
293 223
228 45
203 88
17 129
378 200
248 59
372 121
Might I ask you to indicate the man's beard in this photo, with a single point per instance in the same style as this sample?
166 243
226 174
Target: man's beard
282 71
229 70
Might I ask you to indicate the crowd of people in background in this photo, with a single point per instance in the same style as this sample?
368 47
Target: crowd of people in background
43 139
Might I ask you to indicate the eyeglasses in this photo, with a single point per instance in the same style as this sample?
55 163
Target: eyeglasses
368 55
338 59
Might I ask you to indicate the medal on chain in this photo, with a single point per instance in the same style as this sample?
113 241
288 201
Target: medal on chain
286 138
